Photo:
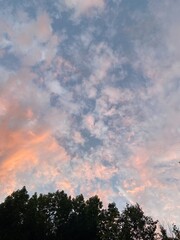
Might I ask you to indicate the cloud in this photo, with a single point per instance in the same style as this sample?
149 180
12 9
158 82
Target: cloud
32 149
27 140
32 40
88 108
23 152
78 138
96 170
83 7
118 96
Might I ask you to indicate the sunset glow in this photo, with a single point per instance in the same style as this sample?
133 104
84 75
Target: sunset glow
90 100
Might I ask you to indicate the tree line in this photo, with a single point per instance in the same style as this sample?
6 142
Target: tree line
57 216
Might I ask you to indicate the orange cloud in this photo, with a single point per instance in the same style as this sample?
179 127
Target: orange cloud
25 142
24 151
67 186
136 190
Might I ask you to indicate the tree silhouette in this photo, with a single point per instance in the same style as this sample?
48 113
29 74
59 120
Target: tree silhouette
135 225
57 216
176 232
163 233
12 215
109 223
93 210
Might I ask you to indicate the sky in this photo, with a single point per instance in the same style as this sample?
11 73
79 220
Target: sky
90 100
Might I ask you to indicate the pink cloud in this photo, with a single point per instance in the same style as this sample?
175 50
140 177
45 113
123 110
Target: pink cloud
90 171
32 40
66 185
77 137
116 95
43 27
89 122
26 140
23 151
82 7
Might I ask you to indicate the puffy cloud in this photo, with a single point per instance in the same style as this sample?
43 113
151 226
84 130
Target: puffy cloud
30 39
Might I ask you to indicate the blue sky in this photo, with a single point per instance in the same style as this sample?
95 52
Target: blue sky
89 100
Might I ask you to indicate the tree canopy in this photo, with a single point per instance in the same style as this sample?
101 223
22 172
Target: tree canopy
57 216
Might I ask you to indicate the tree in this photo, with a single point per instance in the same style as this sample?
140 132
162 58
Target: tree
84 218
56 216
92 213
163 233
61 208
135 225
12 215
38 219
176 232
76 224
109 225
